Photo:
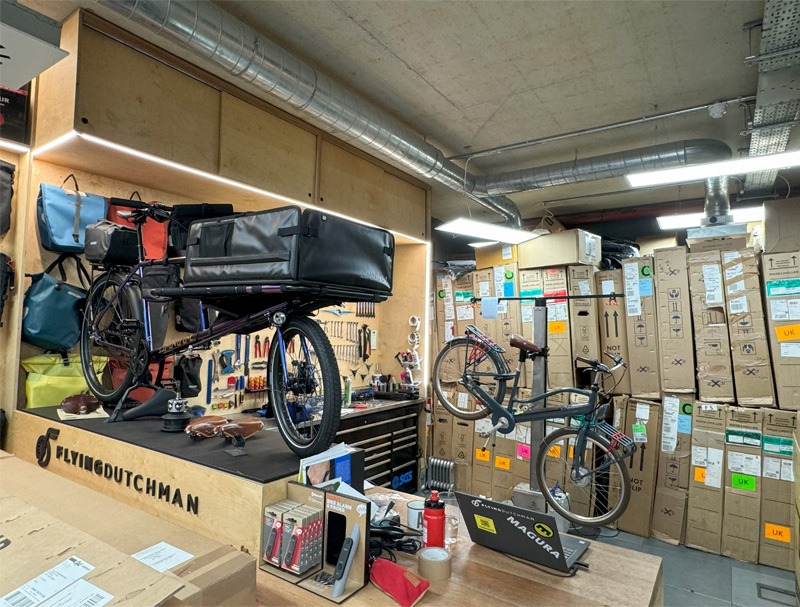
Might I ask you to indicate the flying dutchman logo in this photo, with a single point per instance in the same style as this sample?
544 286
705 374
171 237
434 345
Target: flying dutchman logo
124 477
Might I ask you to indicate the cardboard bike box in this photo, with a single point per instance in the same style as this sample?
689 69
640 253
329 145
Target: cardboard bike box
289 246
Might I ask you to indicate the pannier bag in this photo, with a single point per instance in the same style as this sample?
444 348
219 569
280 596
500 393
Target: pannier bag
182 217
111 244
155 277
6 281
154 233
52 309
52 378
188 313
288 245
6 193
63 215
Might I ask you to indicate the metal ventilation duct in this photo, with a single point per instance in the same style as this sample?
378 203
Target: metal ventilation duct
245 55
718 203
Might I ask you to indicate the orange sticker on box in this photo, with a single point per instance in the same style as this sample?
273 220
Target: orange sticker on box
699 475
779 533
555 451
503 463
482 454
788 333
559 326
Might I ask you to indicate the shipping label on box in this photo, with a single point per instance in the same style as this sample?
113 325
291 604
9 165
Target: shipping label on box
483 286
643 423
561 249
531 284
706 492
712 345
675 336
752 369
781 276
642 327
585 335
613 329
509 316
560 365
445 308
675 459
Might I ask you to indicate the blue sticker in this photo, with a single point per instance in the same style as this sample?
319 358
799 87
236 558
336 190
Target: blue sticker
685 424
645 287
508 289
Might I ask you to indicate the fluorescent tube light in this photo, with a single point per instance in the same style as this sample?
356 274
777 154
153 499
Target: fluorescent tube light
699 172
480 245
692 220
490 231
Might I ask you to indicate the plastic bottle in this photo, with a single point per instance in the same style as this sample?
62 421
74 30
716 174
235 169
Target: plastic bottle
433 521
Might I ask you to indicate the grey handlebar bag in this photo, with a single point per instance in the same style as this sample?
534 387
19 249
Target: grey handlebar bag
6 192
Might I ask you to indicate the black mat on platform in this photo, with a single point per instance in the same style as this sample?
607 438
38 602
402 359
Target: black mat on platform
268 456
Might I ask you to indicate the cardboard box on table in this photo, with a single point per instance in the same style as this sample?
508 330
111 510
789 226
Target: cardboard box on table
742 511
642 327
560 249
211 574
752 369
613 329
712 345
777 542
781 276
643 424
675 336
674 468
706 492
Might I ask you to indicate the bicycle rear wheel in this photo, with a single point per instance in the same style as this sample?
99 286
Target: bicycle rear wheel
305 392
485 365
116 334
596 499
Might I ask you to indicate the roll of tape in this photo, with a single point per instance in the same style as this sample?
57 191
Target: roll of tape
434 564
415 321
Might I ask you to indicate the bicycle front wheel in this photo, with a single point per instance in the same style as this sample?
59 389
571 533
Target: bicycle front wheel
305 392
599 494
483 365
112 329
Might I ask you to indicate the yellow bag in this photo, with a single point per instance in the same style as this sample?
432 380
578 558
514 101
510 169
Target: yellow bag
51 378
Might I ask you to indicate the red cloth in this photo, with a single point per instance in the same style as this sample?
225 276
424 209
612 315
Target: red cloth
398 582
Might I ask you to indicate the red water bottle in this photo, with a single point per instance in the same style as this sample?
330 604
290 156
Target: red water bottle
433 521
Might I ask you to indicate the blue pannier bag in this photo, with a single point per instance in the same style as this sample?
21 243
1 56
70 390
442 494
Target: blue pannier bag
63 215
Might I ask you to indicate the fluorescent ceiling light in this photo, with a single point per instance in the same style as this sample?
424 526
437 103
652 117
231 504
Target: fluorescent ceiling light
692 220
490 231
480 245
699 172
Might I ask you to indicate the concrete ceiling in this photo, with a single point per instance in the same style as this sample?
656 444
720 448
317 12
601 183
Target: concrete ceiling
469 75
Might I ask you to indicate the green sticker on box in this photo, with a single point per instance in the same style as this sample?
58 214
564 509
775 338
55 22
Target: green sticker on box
777 444
782 288
531 293
746 482
464 296
748 438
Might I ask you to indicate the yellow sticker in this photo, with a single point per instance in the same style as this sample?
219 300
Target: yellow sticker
788 333
503 463
779 533
555 451
543 530
559 326
482 454
699 475
485 524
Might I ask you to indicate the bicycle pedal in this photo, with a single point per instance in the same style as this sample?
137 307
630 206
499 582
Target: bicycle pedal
615 436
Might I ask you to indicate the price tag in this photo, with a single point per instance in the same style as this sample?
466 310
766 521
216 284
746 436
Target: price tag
639 433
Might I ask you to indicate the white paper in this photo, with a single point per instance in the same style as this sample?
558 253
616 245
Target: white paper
447 284
79 594
47 584
787 471
505 252
642 412
584 288
708 407
557 311
502 307
523 434
489 307
734 271
449 330
483 426
714 468
794 308
738 305
744 463
484 289
463 401
790 350
606 287
712 278
550 429
591 249
633 300
499 277
699 455
735 287
617 418
449 312
729 256
527 313
772 468
779 309
669 427
465 313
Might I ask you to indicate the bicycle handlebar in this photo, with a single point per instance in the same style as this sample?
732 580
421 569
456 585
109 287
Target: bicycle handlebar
598 366
156 210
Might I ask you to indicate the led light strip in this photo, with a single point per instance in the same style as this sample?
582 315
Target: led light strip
13 146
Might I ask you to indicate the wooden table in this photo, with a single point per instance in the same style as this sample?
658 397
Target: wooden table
484 578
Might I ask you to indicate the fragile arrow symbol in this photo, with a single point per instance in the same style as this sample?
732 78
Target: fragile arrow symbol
771 262
616 324
607 333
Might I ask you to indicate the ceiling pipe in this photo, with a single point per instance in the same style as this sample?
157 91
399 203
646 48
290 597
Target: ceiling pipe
718 203
245 56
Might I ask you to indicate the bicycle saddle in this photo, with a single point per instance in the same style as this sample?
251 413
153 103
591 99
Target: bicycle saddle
204 427
523 344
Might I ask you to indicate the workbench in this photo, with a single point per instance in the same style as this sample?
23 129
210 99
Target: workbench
484 578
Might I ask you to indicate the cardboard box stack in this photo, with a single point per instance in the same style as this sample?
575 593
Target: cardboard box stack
584 336
742 509
675 336
712 345
613 329
462 444
560 363
706 494
674 468
462 298
752 370
642 327
482 460
509 317
778 543
781 277
505 452
445 309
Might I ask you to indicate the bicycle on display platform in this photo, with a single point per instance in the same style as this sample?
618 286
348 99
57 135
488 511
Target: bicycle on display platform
303 375
588 454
